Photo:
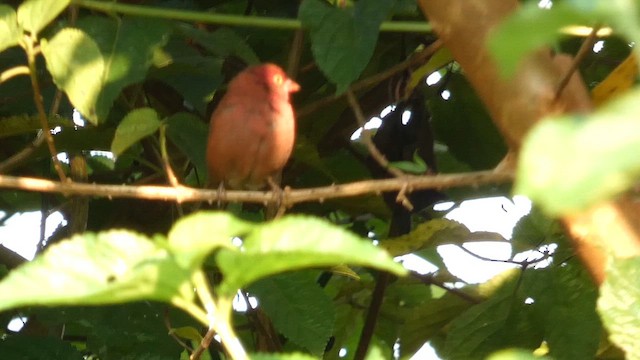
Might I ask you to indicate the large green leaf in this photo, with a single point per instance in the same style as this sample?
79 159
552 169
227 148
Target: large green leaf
572 162
619 304
343 40
299 309
93 63
34 15
137 125
105 268
9 31
565 292
428 320
503 320
297 242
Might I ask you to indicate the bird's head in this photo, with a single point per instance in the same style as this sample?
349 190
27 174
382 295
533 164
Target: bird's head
269 77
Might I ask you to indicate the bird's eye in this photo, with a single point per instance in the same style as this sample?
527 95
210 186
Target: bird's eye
278 79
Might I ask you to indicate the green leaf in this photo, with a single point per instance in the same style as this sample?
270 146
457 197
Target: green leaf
571 162
428 320
9 30
513 39
94 63
296 242
299 309
417 166
37 348
565 292
619 304
34 15
534 230
222 42
137 125
193 237
182 66
461 121
91 269
343 40
189 134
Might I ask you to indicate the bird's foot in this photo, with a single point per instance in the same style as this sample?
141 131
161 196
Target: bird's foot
221 194
277 207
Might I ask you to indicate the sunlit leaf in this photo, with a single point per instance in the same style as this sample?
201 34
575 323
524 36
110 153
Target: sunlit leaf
9 30
34 15
619 304
137 125
75 62
104 268
94 63
515 354
297 242
193 237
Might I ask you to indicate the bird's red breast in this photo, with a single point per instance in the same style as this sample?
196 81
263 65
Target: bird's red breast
252 131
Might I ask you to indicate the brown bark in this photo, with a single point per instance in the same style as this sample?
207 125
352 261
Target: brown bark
518 102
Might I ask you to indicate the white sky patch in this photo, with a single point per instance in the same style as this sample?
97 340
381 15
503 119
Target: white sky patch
373 123
21 232
496 214
406 116
545 4
434 78
416 263
77 118
446 94
598 46
16 324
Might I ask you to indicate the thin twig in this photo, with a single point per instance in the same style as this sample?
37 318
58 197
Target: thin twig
187 194
37 97
204 344
372 315
430 280
375 153
586 46
506 261
293 65
14 71
167 324
164 155
14 160
416 59
366 137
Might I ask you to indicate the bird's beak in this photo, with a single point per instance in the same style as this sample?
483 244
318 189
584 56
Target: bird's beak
291 86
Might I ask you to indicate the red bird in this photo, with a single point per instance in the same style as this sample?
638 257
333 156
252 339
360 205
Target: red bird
252 131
